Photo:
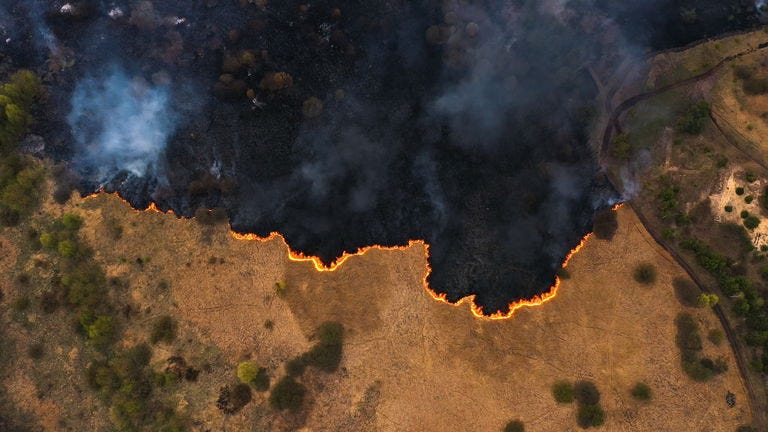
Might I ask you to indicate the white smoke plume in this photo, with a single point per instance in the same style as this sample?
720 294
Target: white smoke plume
120 124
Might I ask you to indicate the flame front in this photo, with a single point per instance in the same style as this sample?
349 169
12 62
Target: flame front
476 310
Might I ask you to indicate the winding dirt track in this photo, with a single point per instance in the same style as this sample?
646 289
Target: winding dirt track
614 125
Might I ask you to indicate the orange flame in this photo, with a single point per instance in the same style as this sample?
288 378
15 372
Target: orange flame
476 310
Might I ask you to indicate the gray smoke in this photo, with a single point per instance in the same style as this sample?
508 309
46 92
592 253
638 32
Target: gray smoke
120 123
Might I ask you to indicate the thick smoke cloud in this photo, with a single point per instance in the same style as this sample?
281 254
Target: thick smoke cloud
465 124
120 123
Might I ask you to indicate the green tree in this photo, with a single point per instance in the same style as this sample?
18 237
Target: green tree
246 371
751 222
708 300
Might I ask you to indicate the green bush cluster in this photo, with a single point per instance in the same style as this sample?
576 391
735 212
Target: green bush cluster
20 178
589 413
694 119
124 382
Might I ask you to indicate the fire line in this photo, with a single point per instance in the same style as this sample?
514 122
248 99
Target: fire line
477 311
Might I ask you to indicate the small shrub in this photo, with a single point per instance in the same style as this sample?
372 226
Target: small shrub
751 222
739 191
287 394
729 208
590 416
246 371
562 392
102 331
563 273
708 300
586 393
641 392
164 330
645 274
751 177
22 303
269 324
748 199
514 426
744 214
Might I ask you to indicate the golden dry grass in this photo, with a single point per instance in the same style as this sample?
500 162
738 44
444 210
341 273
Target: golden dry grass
411 363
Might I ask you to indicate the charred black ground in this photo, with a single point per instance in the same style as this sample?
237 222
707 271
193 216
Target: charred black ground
343 124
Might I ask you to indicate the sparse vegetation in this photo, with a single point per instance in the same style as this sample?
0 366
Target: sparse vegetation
689 342
645 273
716 336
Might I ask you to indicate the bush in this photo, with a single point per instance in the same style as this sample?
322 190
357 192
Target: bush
645 273
739 191
751 222
748 199
708 300
751 177
641 392
729 208
67 249
246 371
755 86
622 147
562 392
687 292
287 394
295 366
590 416
514 426
586 393
164 330
744 214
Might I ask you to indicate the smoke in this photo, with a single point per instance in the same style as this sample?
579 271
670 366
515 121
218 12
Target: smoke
465 124
120 123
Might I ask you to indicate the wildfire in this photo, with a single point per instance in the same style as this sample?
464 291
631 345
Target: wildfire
476 310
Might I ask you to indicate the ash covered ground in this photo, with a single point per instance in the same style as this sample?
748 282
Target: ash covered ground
343 124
